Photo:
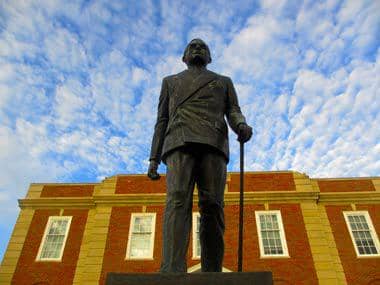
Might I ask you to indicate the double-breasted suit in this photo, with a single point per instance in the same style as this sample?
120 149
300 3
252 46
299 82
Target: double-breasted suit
191 137
191 109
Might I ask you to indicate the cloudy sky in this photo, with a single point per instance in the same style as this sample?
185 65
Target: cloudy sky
79 85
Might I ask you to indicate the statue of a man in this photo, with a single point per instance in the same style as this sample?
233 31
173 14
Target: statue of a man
191 138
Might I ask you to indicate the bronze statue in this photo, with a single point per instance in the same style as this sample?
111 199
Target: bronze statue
191 138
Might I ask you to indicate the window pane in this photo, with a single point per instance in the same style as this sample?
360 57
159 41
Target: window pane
146 224
367 250
197 242
374 250
142 224
140 245
136 227
270 234
278 243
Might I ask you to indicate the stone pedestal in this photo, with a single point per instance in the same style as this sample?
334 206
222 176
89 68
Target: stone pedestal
206 278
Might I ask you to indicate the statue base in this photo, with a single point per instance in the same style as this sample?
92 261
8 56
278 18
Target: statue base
204 278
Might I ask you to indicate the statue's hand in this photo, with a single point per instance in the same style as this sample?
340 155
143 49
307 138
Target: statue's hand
245 133
152 171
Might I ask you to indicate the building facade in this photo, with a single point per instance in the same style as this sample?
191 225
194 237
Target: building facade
306 231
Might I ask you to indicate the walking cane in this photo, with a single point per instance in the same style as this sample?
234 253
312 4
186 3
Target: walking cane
241 206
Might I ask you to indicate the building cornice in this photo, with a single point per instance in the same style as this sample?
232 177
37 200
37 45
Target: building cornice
229 199
349 197
57 202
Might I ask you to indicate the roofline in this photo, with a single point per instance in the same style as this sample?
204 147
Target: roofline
64 183
349 178
228 173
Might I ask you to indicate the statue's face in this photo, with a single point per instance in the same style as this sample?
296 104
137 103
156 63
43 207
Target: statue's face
197 52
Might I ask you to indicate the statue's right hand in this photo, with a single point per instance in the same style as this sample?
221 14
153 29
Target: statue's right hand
152 171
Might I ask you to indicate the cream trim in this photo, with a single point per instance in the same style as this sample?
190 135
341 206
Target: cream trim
154 199
229 198
15 246
350 197
49 203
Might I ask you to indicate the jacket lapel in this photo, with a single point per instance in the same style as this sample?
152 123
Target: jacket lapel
190 87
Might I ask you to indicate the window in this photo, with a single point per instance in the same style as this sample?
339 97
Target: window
362 233
196 239
271 233
54 239
141 236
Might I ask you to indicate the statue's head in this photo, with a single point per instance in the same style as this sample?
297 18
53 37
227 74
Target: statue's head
197 52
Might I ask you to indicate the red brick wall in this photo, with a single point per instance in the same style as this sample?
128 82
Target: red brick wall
67 190
263 182
253 182
298 269
353 185
139 184
357 270
116 245
28 271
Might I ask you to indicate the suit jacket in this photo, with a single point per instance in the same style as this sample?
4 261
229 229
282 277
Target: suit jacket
193 111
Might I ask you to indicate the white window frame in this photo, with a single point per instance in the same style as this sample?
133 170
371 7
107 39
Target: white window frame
196 215
372 232
47 228
153 230
285 253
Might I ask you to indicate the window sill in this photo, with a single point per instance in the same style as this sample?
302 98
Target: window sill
275 256
368 256
48 260
139 258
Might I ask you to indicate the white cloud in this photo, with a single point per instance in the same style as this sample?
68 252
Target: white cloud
260 52
23 160
64 51
72 102
139 75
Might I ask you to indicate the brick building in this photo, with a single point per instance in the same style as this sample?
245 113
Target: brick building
306 231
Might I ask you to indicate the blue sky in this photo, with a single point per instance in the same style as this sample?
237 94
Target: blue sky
79 85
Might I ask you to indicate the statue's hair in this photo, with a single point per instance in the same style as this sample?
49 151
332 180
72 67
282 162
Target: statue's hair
188 46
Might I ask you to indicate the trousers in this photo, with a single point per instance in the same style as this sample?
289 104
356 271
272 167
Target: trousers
186 166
